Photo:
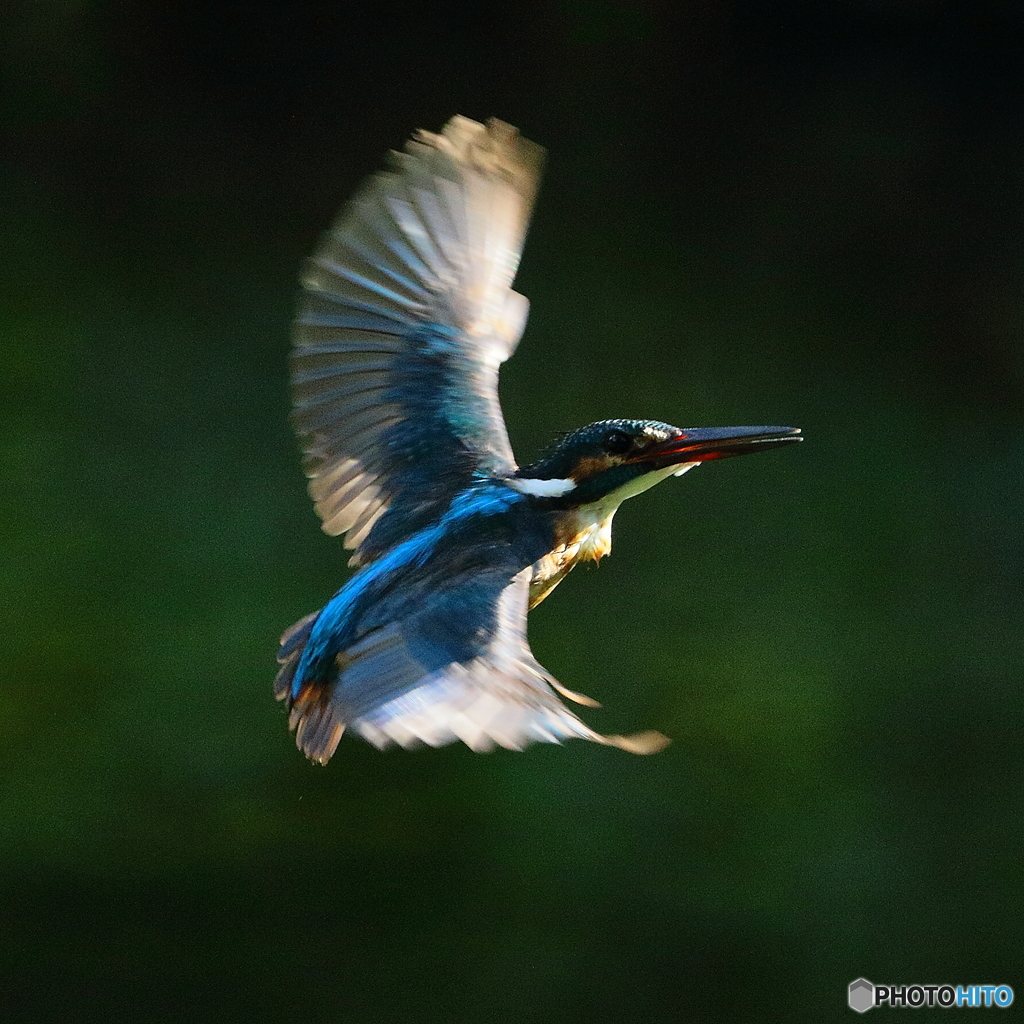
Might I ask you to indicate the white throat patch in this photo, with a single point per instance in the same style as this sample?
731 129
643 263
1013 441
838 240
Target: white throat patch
612 501
594 521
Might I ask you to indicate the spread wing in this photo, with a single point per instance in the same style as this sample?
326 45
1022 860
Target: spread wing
406 314
458 668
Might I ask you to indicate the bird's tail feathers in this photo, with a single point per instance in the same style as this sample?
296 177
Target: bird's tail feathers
315 721
293 640
312 715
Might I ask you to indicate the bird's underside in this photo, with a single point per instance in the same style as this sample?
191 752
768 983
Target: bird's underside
427 644
406 314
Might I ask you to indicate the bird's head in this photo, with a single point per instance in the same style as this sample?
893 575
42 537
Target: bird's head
606 462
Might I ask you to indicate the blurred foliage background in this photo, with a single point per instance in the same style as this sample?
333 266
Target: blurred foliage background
754 211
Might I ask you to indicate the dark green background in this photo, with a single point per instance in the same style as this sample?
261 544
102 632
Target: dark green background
754 212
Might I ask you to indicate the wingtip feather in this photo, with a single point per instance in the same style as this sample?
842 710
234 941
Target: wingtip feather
649 742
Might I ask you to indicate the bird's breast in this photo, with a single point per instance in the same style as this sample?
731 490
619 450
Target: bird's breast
578 538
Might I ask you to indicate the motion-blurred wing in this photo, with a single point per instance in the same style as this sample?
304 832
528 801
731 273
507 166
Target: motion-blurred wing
459 668
407 313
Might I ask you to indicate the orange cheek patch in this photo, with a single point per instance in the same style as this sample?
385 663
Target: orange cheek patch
588 466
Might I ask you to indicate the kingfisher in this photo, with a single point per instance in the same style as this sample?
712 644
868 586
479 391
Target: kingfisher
406 314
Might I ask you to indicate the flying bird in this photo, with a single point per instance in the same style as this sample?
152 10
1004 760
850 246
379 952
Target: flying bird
406 314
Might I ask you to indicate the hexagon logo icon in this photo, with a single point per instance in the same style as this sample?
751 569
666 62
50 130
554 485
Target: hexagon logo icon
862 995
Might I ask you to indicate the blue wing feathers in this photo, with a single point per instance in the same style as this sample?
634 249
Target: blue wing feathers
388 255
417 270
320 309
403 228
350 289
317 378
364 269
337 484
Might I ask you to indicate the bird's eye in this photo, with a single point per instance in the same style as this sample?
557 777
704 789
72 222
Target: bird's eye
617 443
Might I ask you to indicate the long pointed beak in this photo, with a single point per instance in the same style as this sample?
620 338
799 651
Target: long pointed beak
706 443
